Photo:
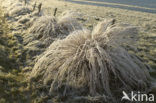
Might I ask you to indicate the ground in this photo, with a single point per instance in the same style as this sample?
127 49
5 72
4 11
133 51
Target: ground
12 78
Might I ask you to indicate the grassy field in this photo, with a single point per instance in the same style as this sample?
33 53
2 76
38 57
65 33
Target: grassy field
93 14
13 79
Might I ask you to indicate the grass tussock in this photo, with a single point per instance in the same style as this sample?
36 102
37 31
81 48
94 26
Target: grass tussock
44 27
87 65
48 28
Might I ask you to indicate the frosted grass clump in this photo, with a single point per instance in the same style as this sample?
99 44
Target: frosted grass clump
86 65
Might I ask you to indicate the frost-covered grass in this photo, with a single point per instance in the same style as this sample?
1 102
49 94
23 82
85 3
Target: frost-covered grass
91 63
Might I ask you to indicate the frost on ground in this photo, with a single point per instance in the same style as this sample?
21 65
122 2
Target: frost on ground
65 60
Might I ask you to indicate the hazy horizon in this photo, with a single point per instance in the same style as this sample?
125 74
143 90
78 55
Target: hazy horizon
141 3
148 6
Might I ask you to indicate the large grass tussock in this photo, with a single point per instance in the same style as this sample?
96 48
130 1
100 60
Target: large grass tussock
86 64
